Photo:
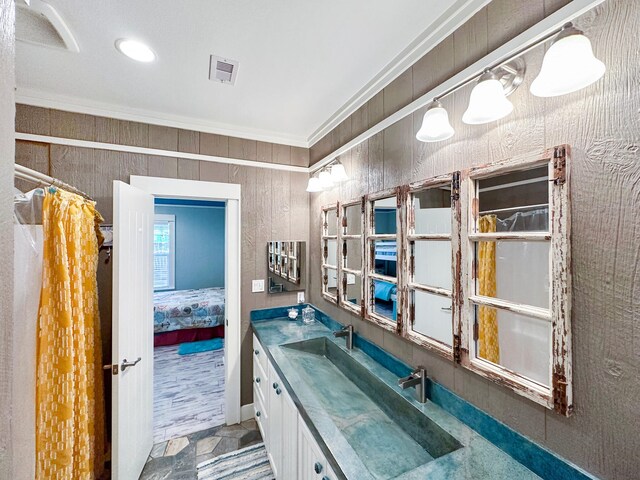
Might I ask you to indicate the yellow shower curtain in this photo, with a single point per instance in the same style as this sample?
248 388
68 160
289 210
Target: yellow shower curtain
488 345
70 428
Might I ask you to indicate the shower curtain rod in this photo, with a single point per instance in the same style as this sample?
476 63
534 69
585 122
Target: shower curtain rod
522 207
43 180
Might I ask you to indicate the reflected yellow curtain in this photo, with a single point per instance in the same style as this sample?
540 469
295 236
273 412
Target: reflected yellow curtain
488 345
70 428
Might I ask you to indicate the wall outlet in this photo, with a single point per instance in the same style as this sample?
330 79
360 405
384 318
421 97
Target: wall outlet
300 297
257 286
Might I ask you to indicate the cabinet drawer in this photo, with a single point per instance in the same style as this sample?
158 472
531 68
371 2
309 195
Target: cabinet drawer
261 414
259 355
261 382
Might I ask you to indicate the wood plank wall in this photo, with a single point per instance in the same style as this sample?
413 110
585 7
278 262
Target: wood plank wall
274 204
602 124
8 464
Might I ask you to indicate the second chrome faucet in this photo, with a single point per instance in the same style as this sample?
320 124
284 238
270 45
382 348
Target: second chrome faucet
346 332
417 379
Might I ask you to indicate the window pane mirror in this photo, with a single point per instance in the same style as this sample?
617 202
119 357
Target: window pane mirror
513 271
381 250
517 310
330 284
286 262
428 245
351 226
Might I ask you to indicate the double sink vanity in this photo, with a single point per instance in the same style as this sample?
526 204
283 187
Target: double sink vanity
329 412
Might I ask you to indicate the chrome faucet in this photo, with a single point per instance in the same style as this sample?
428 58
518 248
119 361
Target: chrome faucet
346 332
418 379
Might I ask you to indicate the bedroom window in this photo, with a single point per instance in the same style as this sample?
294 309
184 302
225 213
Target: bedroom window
432 217
383 302
164 255
330 286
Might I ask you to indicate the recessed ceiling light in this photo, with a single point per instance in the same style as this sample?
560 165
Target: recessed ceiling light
135 50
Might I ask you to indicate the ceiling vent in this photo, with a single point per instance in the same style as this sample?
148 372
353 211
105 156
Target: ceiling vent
223 70
39 23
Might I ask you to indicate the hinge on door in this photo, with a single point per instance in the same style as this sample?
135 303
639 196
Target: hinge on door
412 314
456 348
455 187
363 203
559 165
475 331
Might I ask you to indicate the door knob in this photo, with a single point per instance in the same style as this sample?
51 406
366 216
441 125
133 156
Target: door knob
126 364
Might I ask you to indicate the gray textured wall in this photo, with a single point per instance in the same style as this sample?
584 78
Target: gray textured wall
7 114
273 202
603 126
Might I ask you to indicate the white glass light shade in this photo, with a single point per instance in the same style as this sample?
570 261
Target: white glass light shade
135 50
338 173
488 102
325 180
314 185
435 124
569 65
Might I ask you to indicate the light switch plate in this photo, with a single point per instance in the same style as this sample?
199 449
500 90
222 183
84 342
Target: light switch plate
257 286
300 297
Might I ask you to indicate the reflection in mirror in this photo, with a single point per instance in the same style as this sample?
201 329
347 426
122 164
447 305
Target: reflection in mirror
332 222
286 265
501 341
386 260
516 271
332 281
384 299
519 200
432 210
353 260
432 260
432 316
384 220
353 217
332 252
353 293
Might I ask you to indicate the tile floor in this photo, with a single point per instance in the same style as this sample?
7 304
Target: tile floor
188 392
178 458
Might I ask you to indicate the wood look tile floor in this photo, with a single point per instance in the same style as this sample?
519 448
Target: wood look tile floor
188 392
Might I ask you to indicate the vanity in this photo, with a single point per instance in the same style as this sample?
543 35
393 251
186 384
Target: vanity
326 412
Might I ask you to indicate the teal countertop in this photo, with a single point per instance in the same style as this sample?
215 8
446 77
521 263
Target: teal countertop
476 459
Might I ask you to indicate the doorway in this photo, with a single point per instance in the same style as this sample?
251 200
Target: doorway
188 316
163 189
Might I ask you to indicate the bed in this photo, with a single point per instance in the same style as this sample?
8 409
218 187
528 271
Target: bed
188 315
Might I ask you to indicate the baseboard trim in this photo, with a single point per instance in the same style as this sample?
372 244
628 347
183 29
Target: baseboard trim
246 412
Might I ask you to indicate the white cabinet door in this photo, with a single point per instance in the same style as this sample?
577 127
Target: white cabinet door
289 465
274 449
312 465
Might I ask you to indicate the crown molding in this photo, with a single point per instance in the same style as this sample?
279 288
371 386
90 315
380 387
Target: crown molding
156 152
39 98
441 28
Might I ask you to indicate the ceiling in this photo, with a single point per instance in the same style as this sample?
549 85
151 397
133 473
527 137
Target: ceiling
300 62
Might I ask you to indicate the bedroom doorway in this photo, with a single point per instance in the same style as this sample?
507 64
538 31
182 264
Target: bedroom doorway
170 189
188 316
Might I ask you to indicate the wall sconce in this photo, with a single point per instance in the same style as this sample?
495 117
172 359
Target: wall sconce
325 180
488 101
435 124
569 65
338 173
328 178
314 185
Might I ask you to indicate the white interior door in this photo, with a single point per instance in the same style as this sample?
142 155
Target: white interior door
132 432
